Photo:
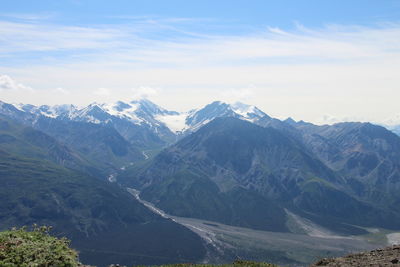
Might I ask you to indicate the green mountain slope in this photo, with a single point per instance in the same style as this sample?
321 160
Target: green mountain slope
30 143
94 148
101 144
45 182
102 220
367 155
238 173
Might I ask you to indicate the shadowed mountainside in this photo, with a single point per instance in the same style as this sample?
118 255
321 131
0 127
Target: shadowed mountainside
238 173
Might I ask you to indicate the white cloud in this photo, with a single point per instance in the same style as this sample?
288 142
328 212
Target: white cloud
6 83
393 120
119 44
328 119
27 16
345 71
36 37
237 95
277 31
144 92
62 91
102 92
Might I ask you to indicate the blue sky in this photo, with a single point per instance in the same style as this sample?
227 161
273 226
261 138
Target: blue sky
322 61
252 13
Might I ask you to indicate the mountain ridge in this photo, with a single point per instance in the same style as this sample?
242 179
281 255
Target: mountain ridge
234 164
228 158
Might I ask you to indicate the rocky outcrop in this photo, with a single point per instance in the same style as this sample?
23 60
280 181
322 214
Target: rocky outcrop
381 257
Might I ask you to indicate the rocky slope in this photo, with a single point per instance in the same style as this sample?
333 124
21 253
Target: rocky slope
380 257
367 155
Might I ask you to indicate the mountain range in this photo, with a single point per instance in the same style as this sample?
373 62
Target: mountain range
137 115
239 173
227 163
46 183
141 121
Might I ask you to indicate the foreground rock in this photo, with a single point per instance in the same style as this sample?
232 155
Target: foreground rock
381 257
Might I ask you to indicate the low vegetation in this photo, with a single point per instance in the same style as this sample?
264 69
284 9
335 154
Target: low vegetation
36 247
19 247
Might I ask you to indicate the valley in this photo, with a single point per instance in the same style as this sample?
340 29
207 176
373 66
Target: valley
199 133
227 243
231 183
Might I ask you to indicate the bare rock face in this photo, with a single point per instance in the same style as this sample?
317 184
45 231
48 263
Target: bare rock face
381 257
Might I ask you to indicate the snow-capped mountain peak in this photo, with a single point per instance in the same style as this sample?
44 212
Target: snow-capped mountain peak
93 113
58 110
248 112
141 113
55 111
148 107
206 114
198 118
124 111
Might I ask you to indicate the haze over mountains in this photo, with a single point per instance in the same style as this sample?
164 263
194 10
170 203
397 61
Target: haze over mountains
227 163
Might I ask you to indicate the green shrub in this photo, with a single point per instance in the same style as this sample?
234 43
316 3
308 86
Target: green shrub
36 248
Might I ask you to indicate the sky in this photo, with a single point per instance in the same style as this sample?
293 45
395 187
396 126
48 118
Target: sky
318 61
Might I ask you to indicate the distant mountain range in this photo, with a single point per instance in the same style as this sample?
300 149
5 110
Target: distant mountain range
138 115
229 163
151 124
